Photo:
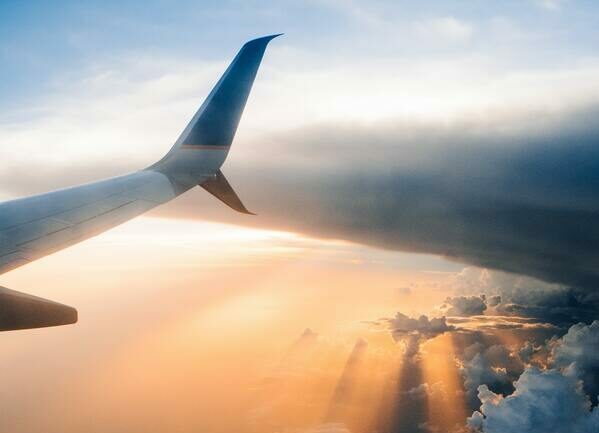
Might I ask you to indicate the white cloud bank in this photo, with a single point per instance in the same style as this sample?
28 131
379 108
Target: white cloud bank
543 402
131 110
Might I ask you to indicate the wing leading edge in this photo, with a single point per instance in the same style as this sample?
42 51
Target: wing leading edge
36 226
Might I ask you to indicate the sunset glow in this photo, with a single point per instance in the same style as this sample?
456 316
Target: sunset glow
211 307
334 216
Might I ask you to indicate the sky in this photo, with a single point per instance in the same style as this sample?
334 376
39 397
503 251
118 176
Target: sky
424 254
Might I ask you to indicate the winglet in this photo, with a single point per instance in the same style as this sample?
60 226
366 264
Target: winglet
220 188
219 116
215 123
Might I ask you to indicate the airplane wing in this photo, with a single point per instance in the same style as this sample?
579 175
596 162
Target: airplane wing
36 226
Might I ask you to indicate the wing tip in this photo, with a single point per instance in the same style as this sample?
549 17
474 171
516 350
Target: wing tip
264 39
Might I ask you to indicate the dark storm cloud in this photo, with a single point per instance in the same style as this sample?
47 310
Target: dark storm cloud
517 194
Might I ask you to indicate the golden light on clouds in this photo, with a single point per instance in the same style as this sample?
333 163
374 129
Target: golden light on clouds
189 325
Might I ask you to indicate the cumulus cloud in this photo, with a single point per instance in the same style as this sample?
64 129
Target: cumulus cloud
495 367
494 300
557 392
530 307
465 305
521 296
412 332
542 402
402 325
535 354
509 385
424 390
577 354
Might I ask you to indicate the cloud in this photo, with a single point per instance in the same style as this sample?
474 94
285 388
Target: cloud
489 323
402 325
403 291
511 383
424 391
503 381
309 334
526 306
471 194
465 305
495 367
493 301
542 402
407 170
558 388
520 296
576 353
412 332
536 354
418 392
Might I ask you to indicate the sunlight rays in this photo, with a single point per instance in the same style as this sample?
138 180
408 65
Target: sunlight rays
213 318
446 408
